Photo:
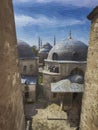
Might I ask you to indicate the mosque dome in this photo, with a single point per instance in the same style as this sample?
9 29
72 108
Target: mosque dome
70 50
24 50
45 48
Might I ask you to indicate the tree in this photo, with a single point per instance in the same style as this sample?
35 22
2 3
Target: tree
35 50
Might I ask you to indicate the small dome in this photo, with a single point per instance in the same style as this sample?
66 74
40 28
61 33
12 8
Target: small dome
77 79
24 50
69 50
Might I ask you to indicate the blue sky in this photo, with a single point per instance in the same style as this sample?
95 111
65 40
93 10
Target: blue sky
46 18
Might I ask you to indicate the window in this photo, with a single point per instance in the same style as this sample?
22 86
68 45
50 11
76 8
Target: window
31 67
75 56
55 56
24 68
54 95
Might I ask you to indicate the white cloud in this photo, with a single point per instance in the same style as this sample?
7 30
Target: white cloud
83 3
41 20
22 1
22 20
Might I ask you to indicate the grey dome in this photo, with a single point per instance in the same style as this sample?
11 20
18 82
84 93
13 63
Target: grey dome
24 50
45 48
76 79
69 50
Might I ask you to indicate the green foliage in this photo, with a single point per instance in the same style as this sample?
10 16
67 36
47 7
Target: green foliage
35 50
40 80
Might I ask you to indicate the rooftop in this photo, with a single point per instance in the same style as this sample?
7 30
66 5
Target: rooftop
28 80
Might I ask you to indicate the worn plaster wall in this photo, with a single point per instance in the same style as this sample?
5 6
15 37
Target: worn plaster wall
67 68
29 71
11 107
89 115
47 80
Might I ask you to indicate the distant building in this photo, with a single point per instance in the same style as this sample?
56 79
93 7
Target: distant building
28 70
43 52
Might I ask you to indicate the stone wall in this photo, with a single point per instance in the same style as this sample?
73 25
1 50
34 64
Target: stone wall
28 63
47 80
66 69
89 116
11 107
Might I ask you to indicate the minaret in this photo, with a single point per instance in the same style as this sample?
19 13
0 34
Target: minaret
70 35
39 43
89 114
54 40
11 103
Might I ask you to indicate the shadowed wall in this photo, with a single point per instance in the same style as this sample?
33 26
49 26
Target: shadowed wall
89 115
11 107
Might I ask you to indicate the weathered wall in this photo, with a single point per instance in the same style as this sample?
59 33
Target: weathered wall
11 107
66 69
29 71
89 116
47 80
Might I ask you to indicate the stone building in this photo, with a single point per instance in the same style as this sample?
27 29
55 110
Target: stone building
11 104
63 75
27 60
89 114
65 61
28 70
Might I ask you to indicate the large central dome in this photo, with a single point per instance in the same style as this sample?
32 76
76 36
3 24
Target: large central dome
70 50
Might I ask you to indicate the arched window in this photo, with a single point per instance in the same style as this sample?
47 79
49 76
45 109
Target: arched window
77 71
55 56
31 67
24 68
75 56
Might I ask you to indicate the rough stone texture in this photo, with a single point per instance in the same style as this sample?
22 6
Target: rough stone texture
89 116
11 107
41 120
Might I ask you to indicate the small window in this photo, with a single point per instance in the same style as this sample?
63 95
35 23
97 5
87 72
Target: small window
24 68
54 95
75 55
55 56
26 95
31 67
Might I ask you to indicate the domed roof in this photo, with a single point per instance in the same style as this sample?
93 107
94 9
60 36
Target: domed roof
45 48
69 50
76 79
24 50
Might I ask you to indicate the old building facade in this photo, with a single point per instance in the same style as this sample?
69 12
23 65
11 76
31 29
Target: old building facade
28 63
89 114
64 60
63 76
11 104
